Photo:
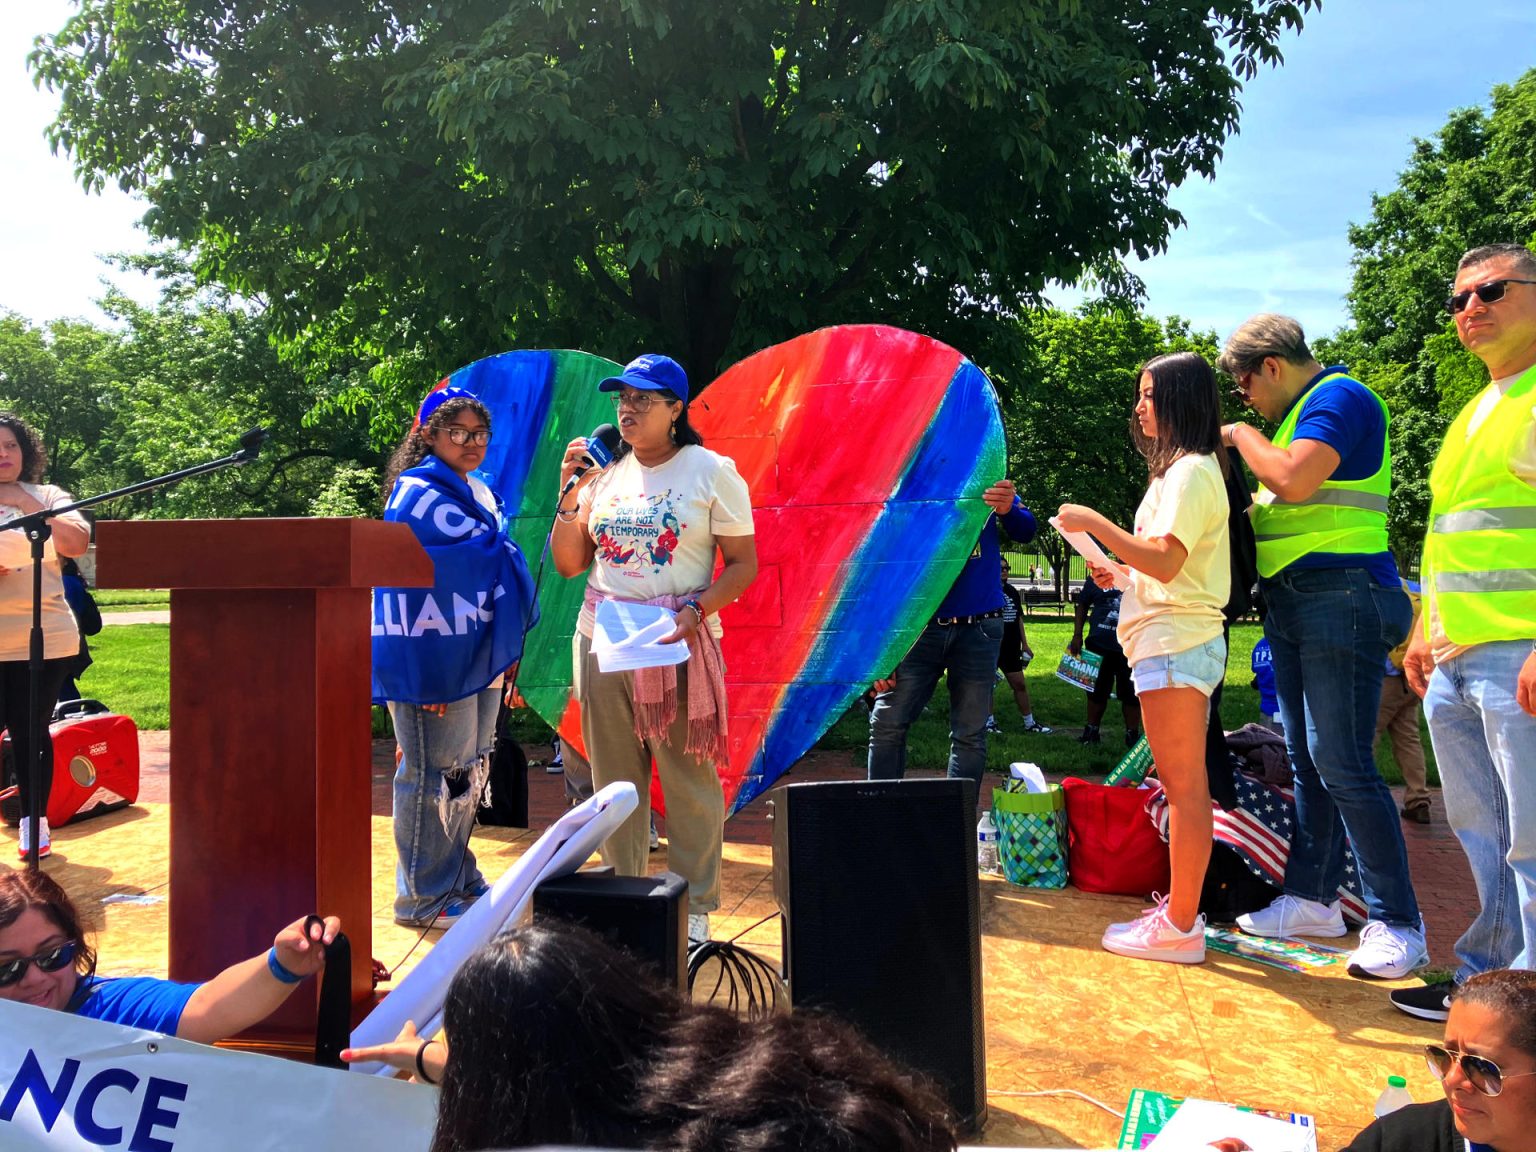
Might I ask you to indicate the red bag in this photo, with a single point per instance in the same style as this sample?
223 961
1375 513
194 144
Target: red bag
1112 844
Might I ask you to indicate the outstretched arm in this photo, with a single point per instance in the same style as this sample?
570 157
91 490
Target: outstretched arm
1160 557
248 992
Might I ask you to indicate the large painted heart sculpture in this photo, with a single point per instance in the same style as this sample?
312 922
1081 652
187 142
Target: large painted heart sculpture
866 450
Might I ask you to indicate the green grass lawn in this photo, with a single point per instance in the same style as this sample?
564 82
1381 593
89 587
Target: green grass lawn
131 676
136 599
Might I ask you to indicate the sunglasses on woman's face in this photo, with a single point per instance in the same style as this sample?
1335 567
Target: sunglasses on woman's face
1483 1074
61 956
1488 292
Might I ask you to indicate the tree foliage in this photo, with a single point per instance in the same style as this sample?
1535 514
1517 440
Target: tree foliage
445 179
1472 183
1068 414
175 385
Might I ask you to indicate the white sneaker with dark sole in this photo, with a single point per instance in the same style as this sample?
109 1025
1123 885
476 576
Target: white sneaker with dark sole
1388 953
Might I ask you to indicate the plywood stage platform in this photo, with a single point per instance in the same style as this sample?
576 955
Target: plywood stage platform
1061 1013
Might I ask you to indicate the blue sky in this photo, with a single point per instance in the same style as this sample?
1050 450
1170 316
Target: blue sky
1318 136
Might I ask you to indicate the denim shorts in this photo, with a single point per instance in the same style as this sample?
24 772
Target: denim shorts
1200 667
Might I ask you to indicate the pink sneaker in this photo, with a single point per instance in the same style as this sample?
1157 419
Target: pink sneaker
1153 937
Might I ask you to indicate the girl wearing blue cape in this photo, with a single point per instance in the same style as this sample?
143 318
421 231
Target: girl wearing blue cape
441 654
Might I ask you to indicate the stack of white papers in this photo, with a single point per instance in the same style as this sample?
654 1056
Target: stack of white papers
626 636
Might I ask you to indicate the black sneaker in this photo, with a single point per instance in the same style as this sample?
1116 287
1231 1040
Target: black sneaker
1038 728
1419 813
1089 736
1131 738
1427 1002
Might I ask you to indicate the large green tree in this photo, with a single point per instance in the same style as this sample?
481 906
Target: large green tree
1472 183
446 178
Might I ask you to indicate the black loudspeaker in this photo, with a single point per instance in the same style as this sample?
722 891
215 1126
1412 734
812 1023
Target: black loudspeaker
645 915
877 883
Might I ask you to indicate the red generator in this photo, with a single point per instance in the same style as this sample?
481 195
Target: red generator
95 764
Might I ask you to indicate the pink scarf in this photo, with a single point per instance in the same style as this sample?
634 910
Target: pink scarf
655 695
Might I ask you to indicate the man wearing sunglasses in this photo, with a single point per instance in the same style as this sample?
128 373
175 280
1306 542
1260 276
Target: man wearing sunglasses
1472 662
1336 608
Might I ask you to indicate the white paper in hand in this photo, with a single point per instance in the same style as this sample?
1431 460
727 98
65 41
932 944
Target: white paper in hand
1085 546
1200 1123
625 636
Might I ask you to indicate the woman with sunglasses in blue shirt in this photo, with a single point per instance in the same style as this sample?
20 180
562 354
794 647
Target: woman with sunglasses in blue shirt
46 962
1487 1067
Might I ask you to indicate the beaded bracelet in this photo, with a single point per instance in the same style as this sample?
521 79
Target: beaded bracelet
279 973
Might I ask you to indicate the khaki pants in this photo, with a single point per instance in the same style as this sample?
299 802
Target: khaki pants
1399 718
695 799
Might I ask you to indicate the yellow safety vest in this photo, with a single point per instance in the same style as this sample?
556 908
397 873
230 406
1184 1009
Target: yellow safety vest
1345 516
1480 551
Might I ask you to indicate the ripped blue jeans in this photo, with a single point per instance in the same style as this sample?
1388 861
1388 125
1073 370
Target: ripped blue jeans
443 765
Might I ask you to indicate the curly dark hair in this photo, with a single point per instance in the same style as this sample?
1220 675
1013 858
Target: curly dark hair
34 457
415 447
21 889
606 1056
1509 993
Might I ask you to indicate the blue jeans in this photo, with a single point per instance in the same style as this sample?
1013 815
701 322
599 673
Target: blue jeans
968 653
443 765
1485 745
1330 630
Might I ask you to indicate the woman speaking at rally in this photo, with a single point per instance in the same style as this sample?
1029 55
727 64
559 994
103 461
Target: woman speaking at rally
46 962
646 529
22 460
441 653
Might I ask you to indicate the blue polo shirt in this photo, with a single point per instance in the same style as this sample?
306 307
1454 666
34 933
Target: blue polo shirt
134 1001
1344 415
979 587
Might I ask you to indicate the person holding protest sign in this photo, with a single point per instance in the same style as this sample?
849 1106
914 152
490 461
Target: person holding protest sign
46 962
1171 626
440 653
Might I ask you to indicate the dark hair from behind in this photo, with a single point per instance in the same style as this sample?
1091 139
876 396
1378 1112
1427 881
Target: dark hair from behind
415 447
1510 993
21 889
34 457
600 1053
549 1031
683 433
1187 408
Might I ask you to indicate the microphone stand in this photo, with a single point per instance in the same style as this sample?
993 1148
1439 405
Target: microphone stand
37 528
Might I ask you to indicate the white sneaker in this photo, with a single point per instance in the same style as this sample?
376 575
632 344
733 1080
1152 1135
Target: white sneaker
44 842
655 839
1154 937
1386 953
1293 916
698 927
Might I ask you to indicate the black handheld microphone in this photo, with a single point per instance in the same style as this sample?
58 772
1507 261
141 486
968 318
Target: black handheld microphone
601 446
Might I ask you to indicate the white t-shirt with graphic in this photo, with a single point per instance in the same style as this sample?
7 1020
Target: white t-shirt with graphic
655 528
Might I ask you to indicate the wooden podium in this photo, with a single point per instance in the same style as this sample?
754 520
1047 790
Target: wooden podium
270 734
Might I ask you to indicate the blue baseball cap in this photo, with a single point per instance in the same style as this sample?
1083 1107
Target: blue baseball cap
650 373
438 398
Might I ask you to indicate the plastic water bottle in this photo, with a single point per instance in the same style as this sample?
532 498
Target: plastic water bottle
1393 1096
986 844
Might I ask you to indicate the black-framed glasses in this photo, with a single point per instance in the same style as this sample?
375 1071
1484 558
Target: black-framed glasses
479 437
1488 292
60 956
1482 1073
